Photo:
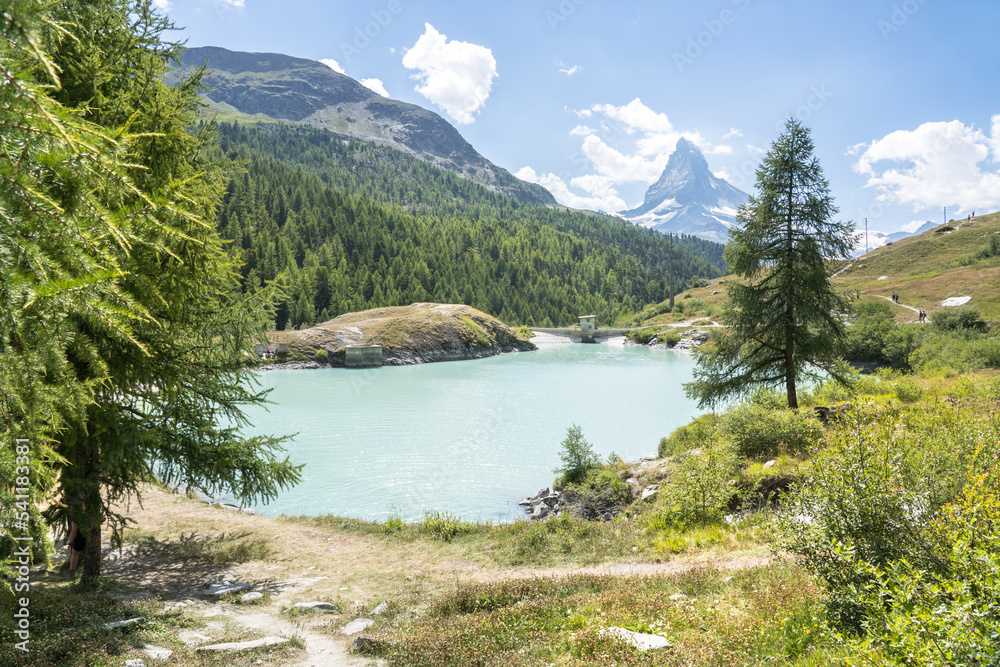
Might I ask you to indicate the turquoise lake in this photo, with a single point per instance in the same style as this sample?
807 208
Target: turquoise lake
466 437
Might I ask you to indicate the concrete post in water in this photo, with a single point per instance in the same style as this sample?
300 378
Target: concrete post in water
588 323
363 356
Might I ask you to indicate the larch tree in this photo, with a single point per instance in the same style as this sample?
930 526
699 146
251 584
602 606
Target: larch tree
168 400
784 316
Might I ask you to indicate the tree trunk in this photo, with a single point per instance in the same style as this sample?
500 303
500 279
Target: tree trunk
793 400
89 470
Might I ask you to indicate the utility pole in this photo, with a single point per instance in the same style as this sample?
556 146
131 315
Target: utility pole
946 215
866 236
671 273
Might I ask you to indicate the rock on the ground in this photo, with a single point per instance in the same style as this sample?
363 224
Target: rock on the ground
250 597
190 638
369 646
357 625
137 662
156 652
379 609
650 491
322 606
121 624
956 301
641 641
770 463
223 587
244 646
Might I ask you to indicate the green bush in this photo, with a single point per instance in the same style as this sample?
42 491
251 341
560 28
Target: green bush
756 430
874 336
876 495
321 357
577 456
641 336
700 432
669 338
907 390
950 616
953 319
700 487
445 526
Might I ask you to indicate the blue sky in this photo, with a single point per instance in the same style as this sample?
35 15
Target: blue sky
589 97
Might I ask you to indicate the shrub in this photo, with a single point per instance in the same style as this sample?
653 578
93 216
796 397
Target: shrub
699 489
699 282
700 432
874 336
758 430
444 525
669 338
953 319
875 495
524 332
907 390
321 357
577 456
641 336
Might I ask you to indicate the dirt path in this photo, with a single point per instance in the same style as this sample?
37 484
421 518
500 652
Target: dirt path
306 563
901 305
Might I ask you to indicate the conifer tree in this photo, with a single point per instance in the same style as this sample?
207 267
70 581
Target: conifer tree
784 316
167 402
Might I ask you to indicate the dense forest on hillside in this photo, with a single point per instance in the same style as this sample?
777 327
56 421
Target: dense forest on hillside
350 225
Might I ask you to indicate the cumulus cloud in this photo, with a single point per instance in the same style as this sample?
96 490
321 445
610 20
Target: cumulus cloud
375 85
937 164
456 76
603 197
239 4
733 132
569 71
623 144
333 64
162 5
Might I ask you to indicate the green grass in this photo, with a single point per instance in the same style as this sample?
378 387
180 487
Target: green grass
759 616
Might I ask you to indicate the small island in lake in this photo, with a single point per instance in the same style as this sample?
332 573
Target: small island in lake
414 334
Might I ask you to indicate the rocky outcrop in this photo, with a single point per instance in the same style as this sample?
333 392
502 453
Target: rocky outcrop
415 334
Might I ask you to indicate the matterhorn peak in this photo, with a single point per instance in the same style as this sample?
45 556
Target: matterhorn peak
688 198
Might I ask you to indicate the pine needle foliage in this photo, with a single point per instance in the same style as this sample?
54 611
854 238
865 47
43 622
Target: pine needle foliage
784 316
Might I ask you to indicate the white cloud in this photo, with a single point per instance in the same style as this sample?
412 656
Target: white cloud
239 4
733 132
333 64
162 5
376 86
603 196
913 226
569 71
457 76
935 165
618 166
622 144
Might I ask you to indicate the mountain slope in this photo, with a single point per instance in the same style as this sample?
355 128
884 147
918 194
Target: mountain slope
304 91
689 199
961 258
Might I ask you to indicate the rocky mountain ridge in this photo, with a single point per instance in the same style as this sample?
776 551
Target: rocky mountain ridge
297 90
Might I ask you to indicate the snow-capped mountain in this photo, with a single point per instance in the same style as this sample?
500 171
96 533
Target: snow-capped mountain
689 199
877 239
